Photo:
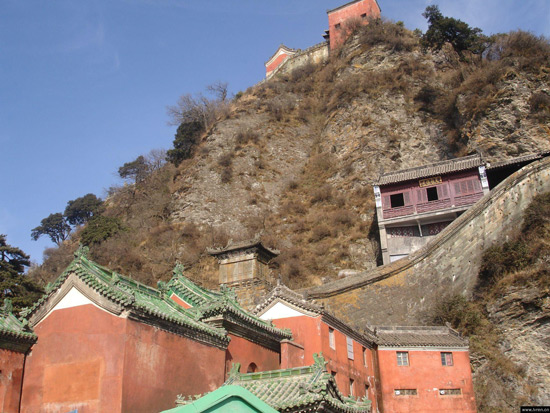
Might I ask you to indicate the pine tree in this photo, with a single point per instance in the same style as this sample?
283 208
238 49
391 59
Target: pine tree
14 284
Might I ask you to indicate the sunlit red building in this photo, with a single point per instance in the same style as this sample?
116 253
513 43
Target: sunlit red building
343 18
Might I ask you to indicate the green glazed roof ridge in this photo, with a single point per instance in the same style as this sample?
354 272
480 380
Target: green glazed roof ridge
222 306
151 301
12 327
215 303
297 387
129 293
180 284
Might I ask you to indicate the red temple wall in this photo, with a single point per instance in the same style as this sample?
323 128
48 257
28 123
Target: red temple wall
273 65
243 351
306 331
427 375
159 365
11 374
94 361
76 363
360 372
339 35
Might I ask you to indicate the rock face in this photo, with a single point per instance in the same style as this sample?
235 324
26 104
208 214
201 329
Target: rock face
523 316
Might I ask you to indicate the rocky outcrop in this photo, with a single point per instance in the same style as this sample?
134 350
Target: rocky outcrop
522 314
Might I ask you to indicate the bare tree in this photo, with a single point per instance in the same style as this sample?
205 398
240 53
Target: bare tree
156 159
200 108
218 89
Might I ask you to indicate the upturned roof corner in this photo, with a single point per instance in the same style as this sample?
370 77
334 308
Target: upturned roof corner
15 333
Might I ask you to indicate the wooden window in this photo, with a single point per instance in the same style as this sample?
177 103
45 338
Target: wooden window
405 392
442 191
397 200
450 392
351 392
349 343
432 194
331 341
446 359
421 195
402 358
466 187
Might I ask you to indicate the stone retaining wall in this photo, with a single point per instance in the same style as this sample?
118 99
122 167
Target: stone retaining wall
402 292
314 54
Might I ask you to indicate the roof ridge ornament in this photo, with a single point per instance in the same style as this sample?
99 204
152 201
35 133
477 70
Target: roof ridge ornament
82 251
319 362
234 373
7 308
179 268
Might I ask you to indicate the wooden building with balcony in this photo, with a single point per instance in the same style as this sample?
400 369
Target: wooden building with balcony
413 205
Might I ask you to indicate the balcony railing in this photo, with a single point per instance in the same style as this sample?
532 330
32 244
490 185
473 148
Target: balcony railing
430 206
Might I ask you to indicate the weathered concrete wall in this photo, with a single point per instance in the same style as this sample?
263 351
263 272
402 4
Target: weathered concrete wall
250 293
401 292
11 374
427 376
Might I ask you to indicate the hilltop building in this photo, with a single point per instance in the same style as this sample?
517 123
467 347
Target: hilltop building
341 20
414 205
341 17
99 341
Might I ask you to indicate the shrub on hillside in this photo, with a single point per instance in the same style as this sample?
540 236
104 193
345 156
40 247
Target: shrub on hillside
456 310
443 30
99 229
187 137
384 32
501 259
521 47
245 136
536 218
540 106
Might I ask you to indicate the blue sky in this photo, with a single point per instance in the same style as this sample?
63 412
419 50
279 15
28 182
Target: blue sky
84 85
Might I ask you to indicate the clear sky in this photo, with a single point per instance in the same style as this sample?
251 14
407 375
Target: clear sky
84 85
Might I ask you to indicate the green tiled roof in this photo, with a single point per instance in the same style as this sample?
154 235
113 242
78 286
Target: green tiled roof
188 291
15 334
298 389
141 300
207 304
